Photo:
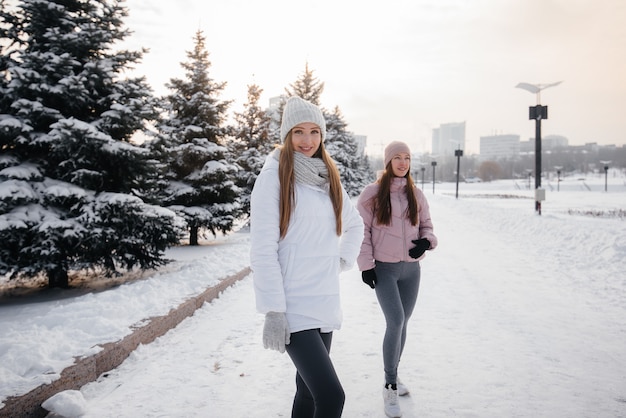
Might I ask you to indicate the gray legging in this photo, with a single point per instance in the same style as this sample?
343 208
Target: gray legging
319 393
397 286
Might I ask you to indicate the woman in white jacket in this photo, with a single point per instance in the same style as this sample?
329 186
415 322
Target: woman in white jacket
304 232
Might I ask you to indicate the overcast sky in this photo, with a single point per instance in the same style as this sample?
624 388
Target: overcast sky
399 68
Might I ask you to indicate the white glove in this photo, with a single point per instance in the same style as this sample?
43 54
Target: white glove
276 331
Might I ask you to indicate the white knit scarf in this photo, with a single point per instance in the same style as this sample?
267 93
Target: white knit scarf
308 170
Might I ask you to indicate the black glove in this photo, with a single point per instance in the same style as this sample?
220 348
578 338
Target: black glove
421 245
369 278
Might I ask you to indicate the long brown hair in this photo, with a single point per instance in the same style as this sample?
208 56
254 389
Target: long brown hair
382 200
287 180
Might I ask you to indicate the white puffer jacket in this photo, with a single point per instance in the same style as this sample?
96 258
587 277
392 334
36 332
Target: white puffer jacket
299 274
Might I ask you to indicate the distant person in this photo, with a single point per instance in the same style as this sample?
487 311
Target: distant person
304 232
398 230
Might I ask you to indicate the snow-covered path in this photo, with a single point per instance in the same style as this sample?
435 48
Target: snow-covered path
509 330
516 317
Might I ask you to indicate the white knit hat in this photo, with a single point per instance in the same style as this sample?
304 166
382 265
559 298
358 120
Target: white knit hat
298 111
395 148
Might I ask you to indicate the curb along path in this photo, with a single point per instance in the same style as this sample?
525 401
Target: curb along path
88 369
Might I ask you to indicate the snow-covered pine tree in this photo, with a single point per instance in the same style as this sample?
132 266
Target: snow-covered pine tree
307 87
69 176
340 144
353 167
200 184
251 143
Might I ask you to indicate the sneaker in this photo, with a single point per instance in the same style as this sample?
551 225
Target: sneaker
392 407
402 390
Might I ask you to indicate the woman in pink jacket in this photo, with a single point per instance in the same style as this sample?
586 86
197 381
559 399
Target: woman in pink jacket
398 231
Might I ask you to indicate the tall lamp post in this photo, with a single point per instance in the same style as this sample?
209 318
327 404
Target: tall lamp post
537 113
558 177
606 173
423 170
458 153
434 164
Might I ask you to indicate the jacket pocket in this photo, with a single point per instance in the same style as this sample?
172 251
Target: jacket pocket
287 258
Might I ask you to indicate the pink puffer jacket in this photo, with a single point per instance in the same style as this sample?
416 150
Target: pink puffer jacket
391 243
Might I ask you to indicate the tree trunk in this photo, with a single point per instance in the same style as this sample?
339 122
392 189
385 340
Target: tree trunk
57 277
193 235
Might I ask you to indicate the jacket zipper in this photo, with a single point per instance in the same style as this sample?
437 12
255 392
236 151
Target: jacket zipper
403 229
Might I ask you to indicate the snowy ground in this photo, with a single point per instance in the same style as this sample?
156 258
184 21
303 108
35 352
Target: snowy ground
519 315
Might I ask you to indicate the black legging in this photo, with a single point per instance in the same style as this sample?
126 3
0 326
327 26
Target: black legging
319 393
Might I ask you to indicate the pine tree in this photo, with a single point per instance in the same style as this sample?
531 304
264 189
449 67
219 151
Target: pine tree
70 176
307 87
200 184
353 167
340 144
251 143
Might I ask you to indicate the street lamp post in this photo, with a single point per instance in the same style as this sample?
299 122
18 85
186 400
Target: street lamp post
423 170
458 153
434 164
558 178
537 113
606 173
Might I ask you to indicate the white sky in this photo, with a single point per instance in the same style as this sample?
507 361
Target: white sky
527 320
399 68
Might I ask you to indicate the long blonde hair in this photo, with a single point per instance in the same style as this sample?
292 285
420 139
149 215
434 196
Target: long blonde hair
287 180
382 200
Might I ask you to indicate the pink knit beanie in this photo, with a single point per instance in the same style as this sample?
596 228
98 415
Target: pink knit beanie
395 148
